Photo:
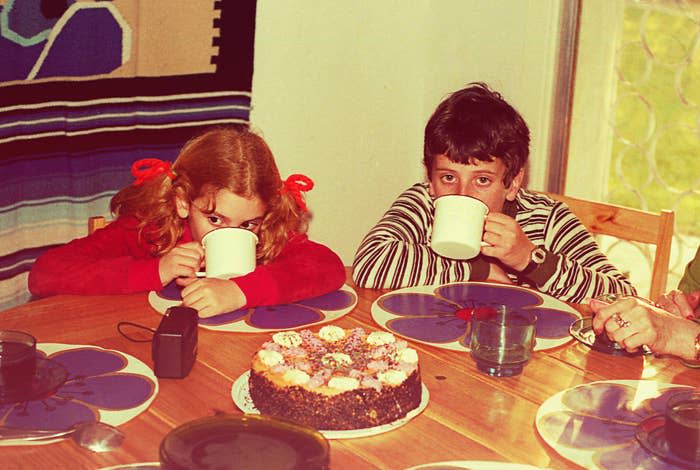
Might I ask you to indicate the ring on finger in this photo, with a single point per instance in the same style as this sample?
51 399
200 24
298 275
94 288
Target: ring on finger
620 321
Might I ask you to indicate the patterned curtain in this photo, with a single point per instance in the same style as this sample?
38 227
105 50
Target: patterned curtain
89 87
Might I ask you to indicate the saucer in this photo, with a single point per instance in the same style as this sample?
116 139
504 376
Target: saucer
582 330
651 435
250 441
48 376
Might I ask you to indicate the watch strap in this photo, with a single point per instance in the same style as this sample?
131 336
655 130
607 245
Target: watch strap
537 258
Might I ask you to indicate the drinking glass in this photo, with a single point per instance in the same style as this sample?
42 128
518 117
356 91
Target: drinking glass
502 340
17 363
683 425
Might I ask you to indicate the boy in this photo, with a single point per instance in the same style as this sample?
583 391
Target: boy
477 145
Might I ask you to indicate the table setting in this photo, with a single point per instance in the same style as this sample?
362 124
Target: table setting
305 313
99 376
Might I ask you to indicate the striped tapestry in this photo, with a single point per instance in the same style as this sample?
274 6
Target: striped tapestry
89 87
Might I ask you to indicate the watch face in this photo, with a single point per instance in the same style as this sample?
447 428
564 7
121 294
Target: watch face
538 255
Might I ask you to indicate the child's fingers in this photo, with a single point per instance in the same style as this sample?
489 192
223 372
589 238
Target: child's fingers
185 281
193 295
188 250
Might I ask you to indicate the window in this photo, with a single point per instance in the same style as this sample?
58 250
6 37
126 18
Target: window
635 128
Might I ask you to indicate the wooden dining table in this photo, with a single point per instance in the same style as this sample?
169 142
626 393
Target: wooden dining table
470 416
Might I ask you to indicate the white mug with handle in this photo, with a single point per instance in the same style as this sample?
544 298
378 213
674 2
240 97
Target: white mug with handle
229 252
458 226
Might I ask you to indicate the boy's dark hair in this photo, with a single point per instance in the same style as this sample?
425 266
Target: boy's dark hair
477 123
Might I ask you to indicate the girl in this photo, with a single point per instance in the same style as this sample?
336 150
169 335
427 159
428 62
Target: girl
226 177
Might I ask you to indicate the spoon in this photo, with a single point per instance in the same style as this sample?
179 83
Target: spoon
94 435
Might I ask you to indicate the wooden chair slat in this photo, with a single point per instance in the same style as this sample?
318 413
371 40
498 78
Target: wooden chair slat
626 223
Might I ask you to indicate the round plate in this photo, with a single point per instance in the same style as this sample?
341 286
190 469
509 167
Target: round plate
135 466
249 441
101 385
582 330
301 314
439 315
652 436
241 397
475 465
593 424
48 376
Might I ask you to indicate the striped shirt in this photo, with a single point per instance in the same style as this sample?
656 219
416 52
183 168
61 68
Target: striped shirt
396 252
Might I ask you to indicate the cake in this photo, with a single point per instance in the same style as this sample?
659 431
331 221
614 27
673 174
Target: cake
335 379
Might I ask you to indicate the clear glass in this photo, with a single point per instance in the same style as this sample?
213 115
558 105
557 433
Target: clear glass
502 340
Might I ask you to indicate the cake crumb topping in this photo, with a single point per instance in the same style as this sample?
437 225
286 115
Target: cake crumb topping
339 359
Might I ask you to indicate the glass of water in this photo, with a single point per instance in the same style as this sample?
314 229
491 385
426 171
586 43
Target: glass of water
502 340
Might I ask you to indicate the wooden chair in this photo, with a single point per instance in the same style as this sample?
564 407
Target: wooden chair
96 222
625 223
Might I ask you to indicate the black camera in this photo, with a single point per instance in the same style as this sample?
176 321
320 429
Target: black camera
175 343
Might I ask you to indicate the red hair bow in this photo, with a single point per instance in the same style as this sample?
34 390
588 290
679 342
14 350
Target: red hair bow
295 184
147 168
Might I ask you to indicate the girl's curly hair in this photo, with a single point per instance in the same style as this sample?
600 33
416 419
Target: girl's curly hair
230 157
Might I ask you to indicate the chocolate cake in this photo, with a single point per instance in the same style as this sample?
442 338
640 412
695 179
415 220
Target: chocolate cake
336 379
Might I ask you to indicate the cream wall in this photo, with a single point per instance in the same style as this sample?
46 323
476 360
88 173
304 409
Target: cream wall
342 91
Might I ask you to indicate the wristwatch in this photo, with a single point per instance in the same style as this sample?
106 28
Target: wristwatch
537 257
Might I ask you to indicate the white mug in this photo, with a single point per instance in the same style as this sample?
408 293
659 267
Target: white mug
458 226
229 252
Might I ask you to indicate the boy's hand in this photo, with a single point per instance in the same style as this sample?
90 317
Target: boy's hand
182 261
211 296
496 273
507 241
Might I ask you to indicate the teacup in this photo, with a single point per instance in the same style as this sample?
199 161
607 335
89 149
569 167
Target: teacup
229 252
17 363
682 426
458 226
502 340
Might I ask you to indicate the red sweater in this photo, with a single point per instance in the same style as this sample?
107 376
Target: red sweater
113 261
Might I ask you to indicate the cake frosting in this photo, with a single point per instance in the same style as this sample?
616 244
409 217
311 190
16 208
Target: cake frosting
336 379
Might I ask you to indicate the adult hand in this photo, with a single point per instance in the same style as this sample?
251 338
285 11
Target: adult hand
681 304
633 322
211 296
507 241
182 261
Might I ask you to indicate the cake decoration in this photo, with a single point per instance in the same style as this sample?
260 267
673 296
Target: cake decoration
336 379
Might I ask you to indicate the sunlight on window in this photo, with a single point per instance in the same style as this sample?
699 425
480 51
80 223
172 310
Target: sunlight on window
655 158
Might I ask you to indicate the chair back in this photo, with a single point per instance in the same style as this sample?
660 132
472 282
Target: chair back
626 223
95 223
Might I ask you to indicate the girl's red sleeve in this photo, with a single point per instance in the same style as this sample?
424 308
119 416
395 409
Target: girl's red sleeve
110 261
304 269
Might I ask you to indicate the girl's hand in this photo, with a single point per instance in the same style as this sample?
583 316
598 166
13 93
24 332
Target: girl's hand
507 241
681 304
211 296
182 261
